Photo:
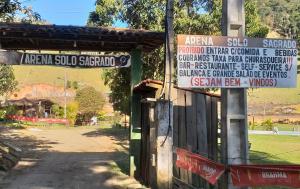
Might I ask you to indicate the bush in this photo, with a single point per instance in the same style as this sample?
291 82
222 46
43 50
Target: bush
90 101
2 114
72 111
11 110
117 118
20 113
101 116
267 125
57 111
252 125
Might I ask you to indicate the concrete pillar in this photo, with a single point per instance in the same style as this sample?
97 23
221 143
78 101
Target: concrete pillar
164 165
234 101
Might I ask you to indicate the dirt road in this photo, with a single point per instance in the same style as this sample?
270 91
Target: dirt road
69 158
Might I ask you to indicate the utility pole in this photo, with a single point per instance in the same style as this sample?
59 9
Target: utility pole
164 110
234 101
169 46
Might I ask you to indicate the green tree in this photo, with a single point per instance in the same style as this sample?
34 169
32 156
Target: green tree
57 111
90 101
254 26
191 17
13 10
119 83
283 16
7 80
104 14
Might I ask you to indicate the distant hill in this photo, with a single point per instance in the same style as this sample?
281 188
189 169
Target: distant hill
272 99
282 17
276 96
27 75
47 82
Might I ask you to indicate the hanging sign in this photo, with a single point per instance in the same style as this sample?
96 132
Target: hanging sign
206 168
232 62
265 175
64 60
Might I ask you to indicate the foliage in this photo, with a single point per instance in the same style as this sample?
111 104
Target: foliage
12 10
57 111
267 125
2 114
72 84
69 84
254 26
7 80
191 17
119 84
252 125
72 111
11 110
282 16
90 101
117 119
104 13
75 85
20 113
101 116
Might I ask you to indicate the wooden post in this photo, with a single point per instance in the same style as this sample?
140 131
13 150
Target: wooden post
135 123
234 101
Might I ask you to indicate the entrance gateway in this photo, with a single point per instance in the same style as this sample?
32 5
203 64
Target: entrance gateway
125 45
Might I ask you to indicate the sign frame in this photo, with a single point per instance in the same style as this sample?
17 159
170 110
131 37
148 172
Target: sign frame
236 62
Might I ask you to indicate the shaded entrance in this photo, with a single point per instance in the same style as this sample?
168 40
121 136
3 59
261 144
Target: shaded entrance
71 38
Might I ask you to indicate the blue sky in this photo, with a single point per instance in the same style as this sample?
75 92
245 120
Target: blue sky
63 12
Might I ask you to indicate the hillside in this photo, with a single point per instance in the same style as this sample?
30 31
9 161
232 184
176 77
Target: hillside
27 75
276 96
273 99
283 18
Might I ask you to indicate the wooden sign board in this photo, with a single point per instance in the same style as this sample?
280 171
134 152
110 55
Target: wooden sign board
64 60
233 62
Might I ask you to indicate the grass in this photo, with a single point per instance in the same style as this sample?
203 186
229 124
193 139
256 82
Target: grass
23 125
27 75
274 149
281 127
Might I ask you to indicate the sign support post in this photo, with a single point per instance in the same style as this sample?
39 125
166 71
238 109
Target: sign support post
234 101
135 123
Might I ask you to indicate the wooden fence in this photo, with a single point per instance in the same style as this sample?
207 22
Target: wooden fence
195 129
